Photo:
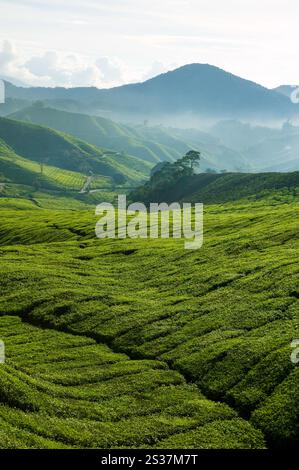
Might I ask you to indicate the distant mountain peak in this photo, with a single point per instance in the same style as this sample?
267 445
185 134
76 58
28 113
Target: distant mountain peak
200 91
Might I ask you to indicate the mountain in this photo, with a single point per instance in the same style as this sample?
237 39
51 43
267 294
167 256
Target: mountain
198 90
149 143
201 90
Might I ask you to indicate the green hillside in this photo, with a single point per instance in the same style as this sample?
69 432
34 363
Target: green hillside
19 170
140 343
55 149
98 131
219 188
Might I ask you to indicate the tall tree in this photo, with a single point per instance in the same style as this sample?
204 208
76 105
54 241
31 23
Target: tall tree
193 158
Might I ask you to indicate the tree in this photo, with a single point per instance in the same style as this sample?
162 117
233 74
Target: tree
158 167
165 173
192 158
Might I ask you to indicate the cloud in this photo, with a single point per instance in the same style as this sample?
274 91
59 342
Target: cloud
7 56
47 65
110 70
51 68
63 70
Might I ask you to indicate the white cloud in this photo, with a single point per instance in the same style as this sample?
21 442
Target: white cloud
7 56
52 68
111 70
45 66
62 70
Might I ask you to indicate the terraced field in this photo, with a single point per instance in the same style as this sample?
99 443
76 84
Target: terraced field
131 343
68 391
57 177
24 147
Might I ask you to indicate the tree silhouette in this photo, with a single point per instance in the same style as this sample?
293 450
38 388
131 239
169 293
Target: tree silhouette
192 158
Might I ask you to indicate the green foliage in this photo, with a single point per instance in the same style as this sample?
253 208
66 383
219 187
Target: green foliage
167 175
22 170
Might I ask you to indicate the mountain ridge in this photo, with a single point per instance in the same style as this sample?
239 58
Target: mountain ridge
200 89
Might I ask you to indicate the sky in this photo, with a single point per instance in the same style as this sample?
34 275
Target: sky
105 43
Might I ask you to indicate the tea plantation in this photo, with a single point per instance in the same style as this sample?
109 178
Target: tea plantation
63 390
141 343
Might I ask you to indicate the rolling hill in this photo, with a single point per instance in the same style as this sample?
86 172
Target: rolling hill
29 149
103 133
12 105
19 170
